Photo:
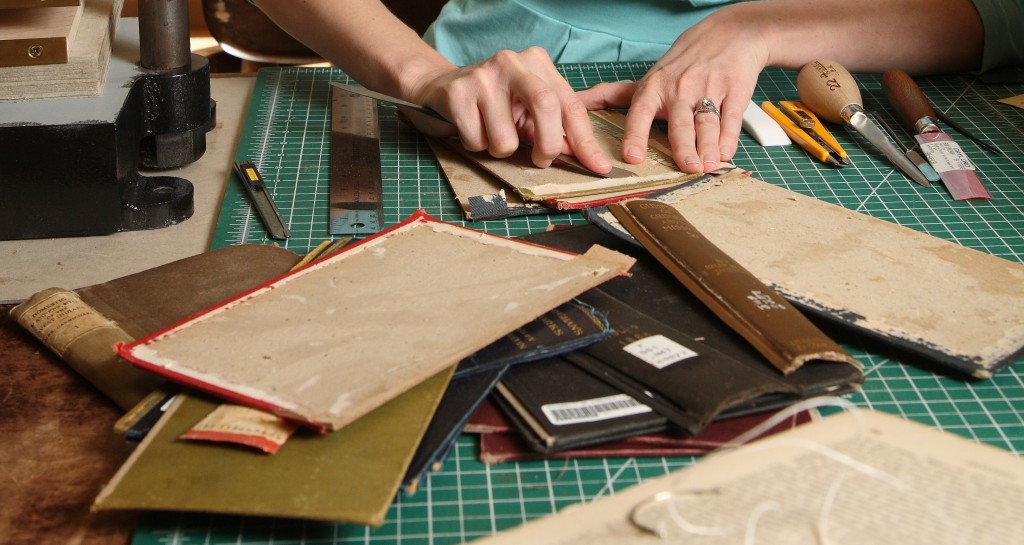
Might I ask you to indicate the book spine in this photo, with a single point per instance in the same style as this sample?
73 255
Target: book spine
85 340
783 335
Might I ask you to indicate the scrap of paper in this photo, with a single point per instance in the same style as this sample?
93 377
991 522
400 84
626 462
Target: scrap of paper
1017 101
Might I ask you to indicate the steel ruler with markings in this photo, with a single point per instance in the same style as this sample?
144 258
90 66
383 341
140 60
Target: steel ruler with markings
356 191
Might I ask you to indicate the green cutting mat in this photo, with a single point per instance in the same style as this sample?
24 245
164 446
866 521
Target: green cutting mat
286 136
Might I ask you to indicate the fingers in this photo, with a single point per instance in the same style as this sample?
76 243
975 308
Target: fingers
607 95
733 107
707 126
515 97
554 118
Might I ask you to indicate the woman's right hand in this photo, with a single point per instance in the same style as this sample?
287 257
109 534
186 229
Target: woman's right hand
509 99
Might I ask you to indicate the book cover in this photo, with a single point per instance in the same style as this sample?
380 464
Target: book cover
571 326
814 253
556 406
328 343
500 442
490 188
82 326
351 475
673 353
72 381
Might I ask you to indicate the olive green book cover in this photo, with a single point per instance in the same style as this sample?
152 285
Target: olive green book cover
351 475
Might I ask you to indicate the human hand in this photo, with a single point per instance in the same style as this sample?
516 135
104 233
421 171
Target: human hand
509 98
719 58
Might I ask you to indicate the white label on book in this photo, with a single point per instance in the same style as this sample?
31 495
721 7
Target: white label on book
659 351
593 410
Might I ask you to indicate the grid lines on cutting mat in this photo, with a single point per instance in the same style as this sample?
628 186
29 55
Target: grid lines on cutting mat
285 135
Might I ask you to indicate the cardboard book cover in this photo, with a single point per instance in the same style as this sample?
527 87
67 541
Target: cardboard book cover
326 344
940 302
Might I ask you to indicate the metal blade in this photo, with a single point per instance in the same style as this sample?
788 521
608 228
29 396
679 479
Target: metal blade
913 155
863 124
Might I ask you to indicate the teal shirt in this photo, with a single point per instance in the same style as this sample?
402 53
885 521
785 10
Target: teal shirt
573 31
468 31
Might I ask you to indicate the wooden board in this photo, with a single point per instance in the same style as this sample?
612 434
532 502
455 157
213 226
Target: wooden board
34 36
83 73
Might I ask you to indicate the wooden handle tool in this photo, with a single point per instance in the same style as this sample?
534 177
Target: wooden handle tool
830 91
914 111
908 102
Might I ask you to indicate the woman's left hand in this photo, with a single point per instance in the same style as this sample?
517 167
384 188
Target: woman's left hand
719 59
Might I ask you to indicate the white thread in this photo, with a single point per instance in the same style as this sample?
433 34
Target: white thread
670 498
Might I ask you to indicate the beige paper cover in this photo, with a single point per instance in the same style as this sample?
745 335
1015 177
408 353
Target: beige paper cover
331 342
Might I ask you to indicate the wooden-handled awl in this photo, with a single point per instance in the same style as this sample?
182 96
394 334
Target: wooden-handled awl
830 91
945 155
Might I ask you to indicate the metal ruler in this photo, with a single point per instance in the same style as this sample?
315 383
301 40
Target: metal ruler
356 192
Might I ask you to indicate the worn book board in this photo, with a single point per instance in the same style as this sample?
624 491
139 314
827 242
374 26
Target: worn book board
285 135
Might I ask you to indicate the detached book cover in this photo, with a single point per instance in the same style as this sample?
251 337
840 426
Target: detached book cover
328 343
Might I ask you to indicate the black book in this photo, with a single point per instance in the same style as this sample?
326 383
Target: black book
555 405
672 353
568 327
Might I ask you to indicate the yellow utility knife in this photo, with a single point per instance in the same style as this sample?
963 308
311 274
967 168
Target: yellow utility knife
804 128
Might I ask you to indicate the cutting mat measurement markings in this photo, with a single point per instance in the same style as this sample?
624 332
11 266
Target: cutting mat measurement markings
356 189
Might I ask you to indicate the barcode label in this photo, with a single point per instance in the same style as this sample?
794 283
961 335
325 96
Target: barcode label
659 351
593 410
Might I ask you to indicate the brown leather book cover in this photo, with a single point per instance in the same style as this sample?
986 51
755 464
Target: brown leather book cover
82 326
